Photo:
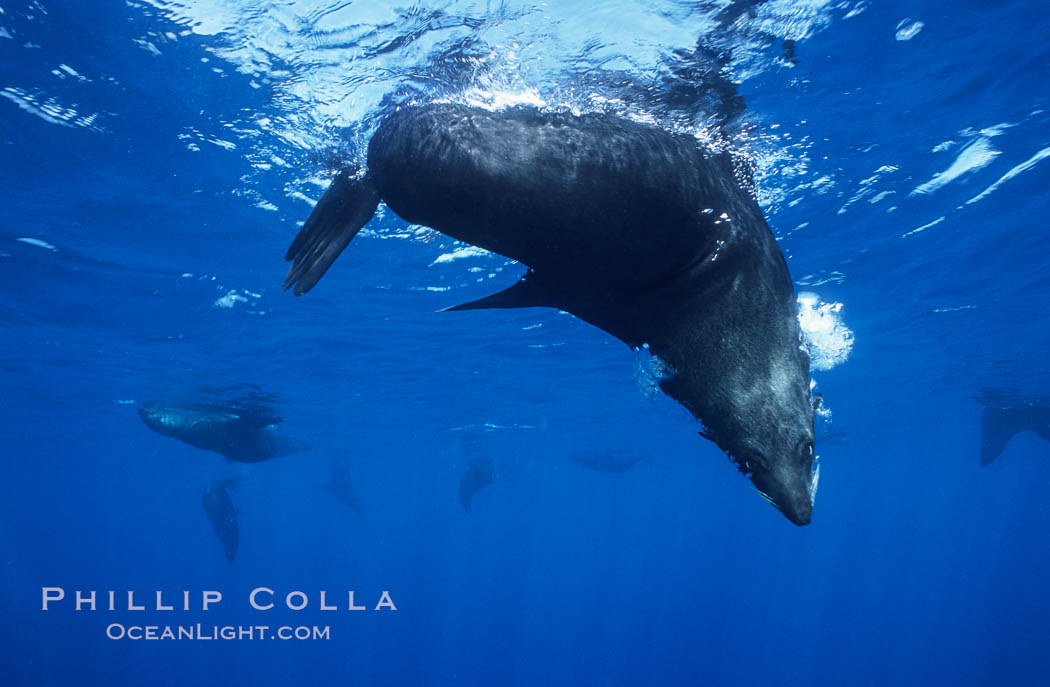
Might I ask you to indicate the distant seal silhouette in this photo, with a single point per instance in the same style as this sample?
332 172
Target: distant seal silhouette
636 230
239 435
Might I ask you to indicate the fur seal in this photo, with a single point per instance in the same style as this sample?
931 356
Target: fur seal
636 230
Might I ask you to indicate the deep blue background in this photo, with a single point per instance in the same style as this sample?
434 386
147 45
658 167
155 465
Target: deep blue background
919 568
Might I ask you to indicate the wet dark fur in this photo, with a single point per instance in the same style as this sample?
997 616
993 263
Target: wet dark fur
636 230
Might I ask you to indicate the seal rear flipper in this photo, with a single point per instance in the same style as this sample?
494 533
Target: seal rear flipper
343 210
525 293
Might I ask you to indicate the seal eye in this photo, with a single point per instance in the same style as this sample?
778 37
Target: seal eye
804 450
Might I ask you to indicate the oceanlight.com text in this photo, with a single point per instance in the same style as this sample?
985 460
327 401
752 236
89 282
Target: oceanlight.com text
199 632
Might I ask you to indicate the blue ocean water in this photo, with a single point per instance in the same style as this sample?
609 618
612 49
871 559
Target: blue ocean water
158 156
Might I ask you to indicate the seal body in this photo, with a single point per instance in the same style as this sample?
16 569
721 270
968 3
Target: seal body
634 229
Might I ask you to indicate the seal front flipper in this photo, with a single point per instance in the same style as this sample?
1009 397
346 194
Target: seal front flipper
528 292
343 210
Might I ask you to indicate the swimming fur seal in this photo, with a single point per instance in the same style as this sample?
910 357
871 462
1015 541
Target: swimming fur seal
636 230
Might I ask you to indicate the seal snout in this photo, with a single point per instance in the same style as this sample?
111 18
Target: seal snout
799 510
791 494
